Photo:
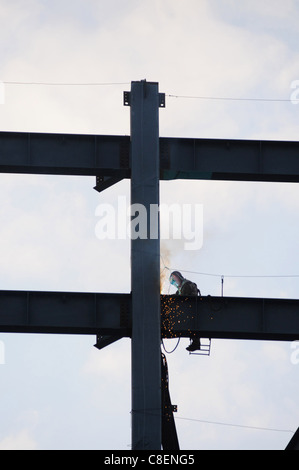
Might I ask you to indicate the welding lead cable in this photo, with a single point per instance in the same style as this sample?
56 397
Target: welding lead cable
170 352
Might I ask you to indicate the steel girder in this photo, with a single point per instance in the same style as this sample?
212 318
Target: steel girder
111 315
180 158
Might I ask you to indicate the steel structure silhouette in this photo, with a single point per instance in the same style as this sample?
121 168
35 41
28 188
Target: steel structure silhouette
144 315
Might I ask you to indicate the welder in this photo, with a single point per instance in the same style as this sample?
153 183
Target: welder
187 288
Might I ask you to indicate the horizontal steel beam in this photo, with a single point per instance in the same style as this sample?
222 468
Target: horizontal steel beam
65 312
239 160
110 315
180 158
64 154
230 318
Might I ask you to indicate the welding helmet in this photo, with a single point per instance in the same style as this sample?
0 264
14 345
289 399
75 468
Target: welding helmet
174 277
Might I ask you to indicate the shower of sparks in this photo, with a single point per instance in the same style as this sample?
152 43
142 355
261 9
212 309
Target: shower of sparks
171 317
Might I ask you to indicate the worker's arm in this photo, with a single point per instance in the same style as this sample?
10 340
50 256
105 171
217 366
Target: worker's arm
189 289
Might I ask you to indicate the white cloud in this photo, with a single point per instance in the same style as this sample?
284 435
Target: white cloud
19 441
23 437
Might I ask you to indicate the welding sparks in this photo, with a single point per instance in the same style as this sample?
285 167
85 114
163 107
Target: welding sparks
171 317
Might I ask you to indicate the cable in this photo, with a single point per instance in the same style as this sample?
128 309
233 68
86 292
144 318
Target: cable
243 275
231 275
65 84
170 352
235 425
211 98
218 423
222 98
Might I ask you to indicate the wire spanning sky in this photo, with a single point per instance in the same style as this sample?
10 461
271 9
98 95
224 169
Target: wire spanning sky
59 392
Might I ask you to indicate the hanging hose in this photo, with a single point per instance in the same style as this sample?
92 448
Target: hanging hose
170 352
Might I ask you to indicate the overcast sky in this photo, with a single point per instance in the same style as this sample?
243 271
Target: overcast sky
59 392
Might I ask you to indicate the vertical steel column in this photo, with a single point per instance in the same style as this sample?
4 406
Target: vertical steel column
145 268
